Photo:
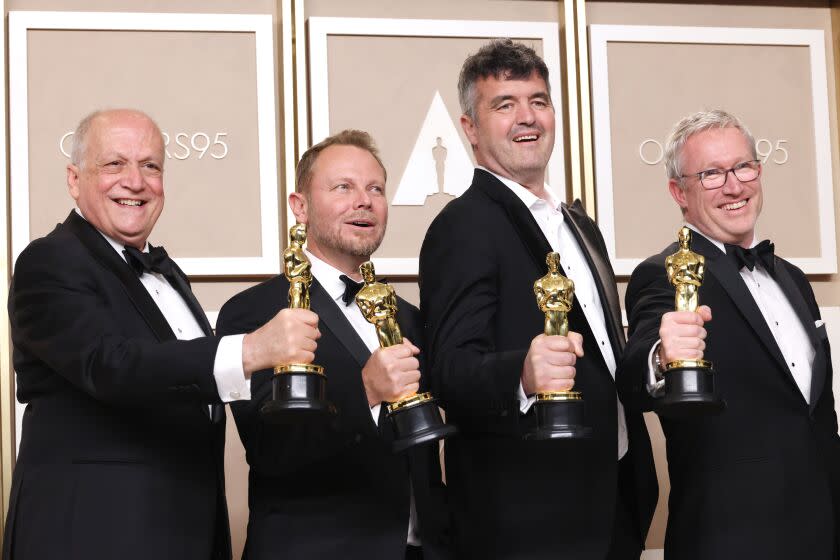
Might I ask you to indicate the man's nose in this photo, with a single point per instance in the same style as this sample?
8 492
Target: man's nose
732 185
363 199
132 177
525 114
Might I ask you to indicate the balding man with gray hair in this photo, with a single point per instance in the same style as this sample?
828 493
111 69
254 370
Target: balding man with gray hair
122 448
761 479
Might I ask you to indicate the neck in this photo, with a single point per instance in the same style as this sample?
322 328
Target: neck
347 264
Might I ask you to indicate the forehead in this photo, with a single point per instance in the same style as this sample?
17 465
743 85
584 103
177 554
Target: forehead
347 162
490 87
716 146
124 133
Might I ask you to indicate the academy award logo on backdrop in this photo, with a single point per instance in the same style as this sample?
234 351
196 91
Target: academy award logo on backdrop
439 164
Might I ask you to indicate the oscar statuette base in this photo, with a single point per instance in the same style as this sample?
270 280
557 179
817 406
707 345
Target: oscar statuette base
416 420
690 391
560 415
298 393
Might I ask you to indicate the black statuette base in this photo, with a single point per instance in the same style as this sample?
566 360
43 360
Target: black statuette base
297 397
560 420
418 424
690 393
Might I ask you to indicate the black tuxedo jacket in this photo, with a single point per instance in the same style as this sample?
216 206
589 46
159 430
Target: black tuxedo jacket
513 498
334 490
761 479
119 457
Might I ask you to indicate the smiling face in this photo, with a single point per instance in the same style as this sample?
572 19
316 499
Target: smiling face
727 214
344 207
512 133
118 185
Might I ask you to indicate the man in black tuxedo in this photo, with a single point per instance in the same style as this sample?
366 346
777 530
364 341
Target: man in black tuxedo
513 498
121 454
320 490
762 478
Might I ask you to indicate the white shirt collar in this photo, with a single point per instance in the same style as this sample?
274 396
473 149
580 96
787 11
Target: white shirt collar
328 276
117 246
527 197
715 242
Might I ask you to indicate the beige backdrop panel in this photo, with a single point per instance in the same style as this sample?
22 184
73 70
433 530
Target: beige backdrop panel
767 86
393 111
190 82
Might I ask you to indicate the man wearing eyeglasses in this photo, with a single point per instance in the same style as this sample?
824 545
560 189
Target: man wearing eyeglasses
762 478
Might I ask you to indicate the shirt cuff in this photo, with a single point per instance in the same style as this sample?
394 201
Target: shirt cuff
227 369
655 381
525 402
374 411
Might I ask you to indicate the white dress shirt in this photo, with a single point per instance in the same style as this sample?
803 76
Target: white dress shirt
549 217
781 318
227 366
330 279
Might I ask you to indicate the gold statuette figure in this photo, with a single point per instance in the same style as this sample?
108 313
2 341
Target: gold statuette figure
559 414
297 268
297 388
689 388
685 270
555 294
415 417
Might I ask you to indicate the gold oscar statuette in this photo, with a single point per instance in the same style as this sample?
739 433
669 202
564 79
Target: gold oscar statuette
689 384
559 414
415 417
297 387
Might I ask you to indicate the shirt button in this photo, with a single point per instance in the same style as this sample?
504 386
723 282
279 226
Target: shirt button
157 292
179 331
235 394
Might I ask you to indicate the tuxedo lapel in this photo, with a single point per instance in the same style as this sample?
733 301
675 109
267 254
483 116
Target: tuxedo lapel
332 317
185 290
722 268
581 228
108 257
524 223
794 296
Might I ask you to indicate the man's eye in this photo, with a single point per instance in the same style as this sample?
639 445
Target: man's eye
711 173
341 187
504 106
377 189
745 165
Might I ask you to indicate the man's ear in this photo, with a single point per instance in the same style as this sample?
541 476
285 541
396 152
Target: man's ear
73 172
299 206
677 193
470 129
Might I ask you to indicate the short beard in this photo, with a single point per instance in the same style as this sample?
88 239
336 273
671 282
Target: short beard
330 238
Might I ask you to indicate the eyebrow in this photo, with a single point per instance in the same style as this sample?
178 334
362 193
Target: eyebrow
499 98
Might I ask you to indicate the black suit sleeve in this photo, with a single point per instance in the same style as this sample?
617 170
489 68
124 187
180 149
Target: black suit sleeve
459 298
66 315
649 296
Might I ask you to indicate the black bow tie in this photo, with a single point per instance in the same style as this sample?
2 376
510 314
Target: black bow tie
156 260
762 253
351 288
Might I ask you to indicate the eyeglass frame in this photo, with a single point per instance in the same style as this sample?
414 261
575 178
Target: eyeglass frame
725 174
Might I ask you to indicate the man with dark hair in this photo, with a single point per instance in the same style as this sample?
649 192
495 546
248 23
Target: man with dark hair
121 456
762 478
513 498
322 490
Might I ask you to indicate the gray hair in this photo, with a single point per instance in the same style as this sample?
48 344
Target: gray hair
502 59
78 147
691 125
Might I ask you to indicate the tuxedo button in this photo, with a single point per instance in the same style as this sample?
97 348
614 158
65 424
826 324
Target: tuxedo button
235 394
